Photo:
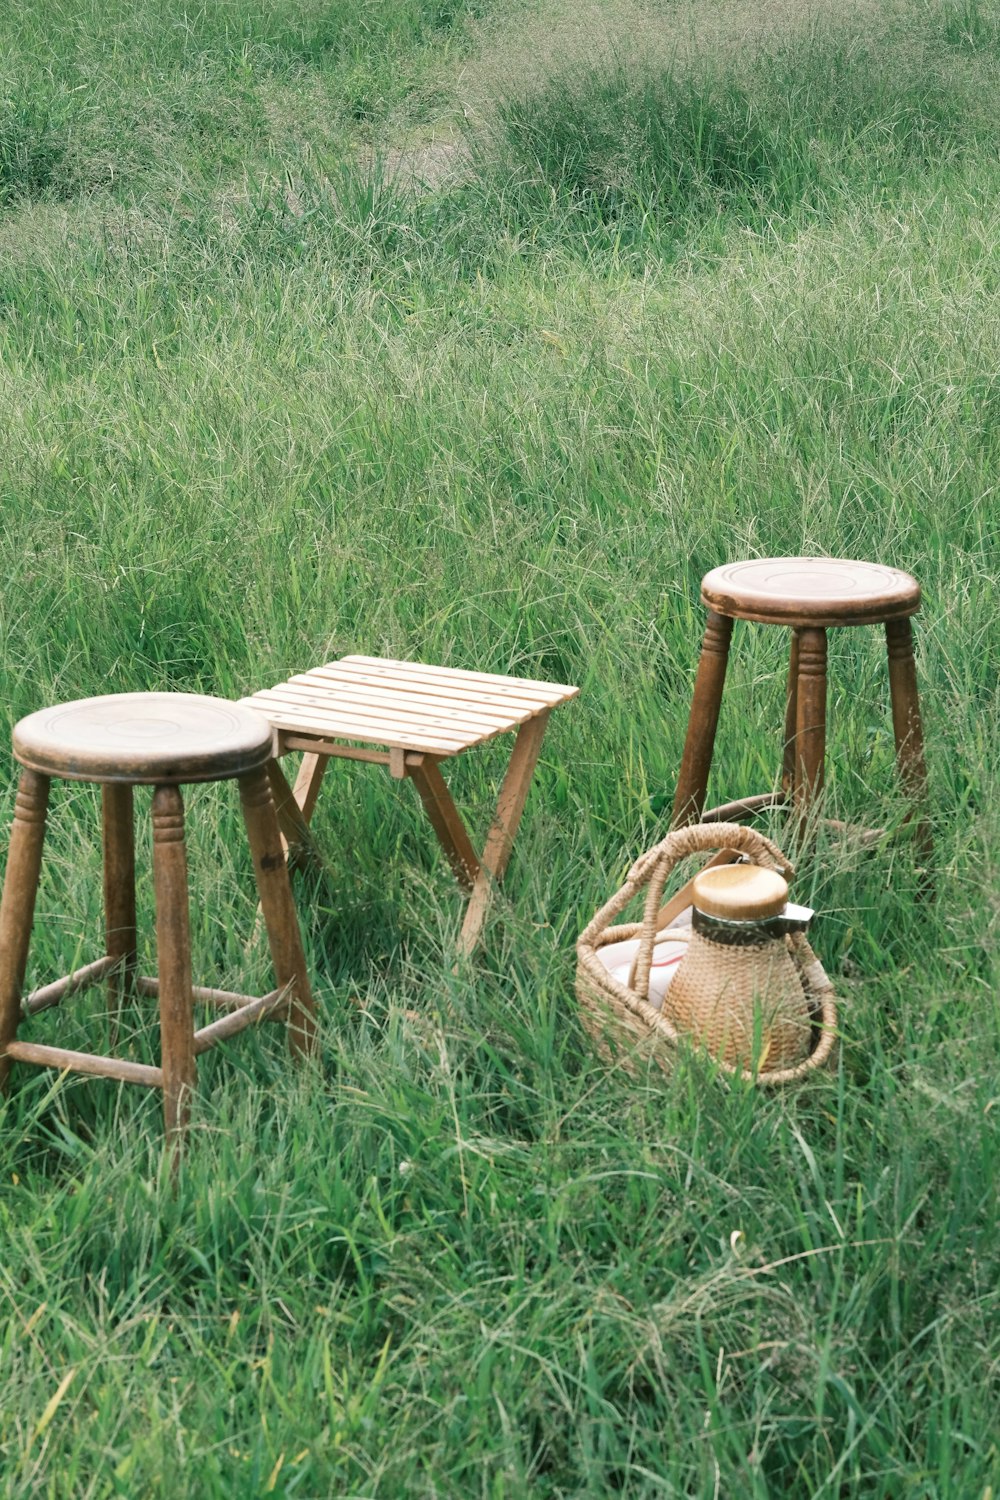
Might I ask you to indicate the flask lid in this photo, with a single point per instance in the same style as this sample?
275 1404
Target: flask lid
739 893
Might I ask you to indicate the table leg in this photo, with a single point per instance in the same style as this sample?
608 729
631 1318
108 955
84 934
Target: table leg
500 839
274 889
447 822
295 808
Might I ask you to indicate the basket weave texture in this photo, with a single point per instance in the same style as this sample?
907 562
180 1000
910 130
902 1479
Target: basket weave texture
620 1018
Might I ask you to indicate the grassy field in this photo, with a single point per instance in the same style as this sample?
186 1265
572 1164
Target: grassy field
477 333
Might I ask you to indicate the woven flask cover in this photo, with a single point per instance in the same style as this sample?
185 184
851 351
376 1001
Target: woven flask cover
737 990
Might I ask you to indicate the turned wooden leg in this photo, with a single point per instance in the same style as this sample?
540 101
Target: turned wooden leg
791 715
276 903
119 895
173 955
906 723
810 717
692 783
17 908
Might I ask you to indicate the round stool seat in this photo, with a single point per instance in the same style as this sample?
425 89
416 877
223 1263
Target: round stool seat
817 591
151 738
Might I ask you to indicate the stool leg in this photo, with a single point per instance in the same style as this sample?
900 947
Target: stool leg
119 895
17 908
791 715
276 903
173 958
692 783
810 717
906 722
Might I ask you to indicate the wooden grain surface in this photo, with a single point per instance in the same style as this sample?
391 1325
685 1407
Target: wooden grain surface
739 893
405 705
151 738
813 591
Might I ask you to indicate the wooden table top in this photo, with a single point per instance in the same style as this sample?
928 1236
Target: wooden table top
405 705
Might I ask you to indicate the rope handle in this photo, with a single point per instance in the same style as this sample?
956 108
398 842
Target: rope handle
680 901
652 868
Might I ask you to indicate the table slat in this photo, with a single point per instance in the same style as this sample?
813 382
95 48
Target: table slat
548 693
445 693
352 727
403 706
406 723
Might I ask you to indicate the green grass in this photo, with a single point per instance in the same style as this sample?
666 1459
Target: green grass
123 92
264 402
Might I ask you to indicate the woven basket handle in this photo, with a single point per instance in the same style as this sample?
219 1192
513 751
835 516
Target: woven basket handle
680 901
731 839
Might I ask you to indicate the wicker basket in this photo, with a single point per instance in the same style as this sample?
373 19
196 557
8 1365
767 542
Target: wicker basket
619 1016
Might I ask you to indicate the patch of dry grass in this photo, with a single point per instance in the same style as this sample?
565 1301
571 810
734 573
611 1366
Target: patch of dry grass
523 45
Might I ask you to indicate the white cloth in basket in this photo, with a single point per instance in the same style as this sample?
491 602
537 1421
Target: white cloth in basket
618 959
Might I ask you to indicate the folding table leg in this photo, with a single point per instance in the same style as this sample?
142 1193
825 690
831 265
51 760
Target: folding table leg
447 822
274 889
295 809
308 782
500 839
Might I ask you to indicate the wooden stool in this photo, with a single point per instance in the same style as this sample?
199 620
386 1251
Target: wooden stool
162 740
811 595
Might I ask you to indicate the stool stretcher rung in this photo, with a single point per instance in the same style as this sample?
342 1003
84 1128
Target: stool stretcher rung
71 984
261 1009
743 807
225 999
749 807
86 1062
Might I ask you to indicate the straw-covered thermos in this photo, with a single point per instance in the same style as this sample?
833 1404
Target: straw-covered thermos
737 989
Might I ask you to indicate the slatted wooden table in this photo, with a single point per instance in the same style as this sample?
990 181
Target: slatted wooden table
411 716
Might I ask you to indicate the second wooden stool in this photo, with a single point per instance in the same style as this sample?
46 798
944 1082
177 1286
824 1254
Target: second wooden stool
163 740
809 595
